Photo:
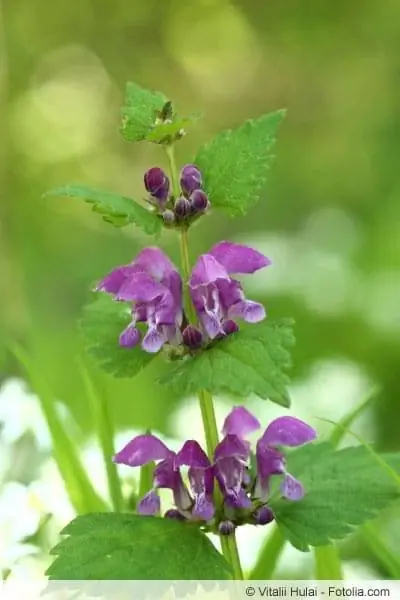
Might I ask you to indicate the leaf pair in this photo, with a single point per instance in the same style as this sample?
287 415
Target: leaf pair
344 489
234 165
253 360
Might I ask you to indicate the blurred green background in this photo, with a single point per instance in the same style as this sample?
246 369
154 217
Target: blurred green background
330 216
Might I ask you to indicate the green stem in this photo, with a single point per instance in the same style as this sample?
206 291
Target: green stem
269 556
328 566
228 543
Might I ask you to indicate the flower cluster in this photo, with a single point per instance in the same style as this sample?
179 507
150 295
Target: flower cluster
154 288
192 203
244 491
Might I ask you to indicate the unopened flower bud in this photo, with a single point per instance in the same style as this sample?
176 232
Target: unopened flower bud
192 337
199 201
226 528
182 209
263 516
168 217
172 513
191 179
157 183
230 327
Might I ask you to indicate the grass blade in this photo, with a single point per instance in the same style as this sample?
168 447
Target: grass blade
105 431
387 559
82 495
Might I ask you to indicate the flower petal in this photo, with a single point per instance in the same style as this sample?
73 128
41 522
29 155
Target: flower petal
130 337
211 324
112 282
203 508
149 505
207 270
229 473
232 446
140 287
249 311
154 262
142 450
192 455
237 258
269 462
291 488
240 422
154 340
288 431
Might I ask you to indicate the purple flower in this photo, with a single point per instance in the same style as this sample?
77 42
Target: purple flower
218 297
190 179
144 449
157 184
201 478
182 209
284 431
154 287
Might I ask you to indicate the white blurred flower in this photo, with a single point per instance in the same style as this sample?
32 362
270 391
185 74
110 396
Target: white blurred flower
19 518
20 412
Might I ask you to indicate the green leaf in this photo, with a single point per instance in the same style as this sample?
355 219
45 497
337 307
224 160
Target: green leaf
115 209
235 164
250 361
344 489
168 132
140 112
102 323
119 546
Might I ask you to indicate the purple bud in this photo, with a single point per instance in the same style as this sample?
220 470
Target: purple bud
172 513
226 528
191 179
230 327
192 337
182 209
199 201
168 217
157 183
263 516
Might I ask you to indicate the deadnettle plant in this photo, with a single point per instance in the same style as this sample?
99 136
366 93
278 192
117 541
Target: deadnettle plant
216 340
244 495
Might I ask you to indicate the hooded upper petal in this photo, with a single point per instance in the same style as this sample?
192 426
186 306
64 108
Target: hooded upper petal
207 270
142 450
154 262
232 446
287 431
192 455
113 282
140 287
240 422
236 258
